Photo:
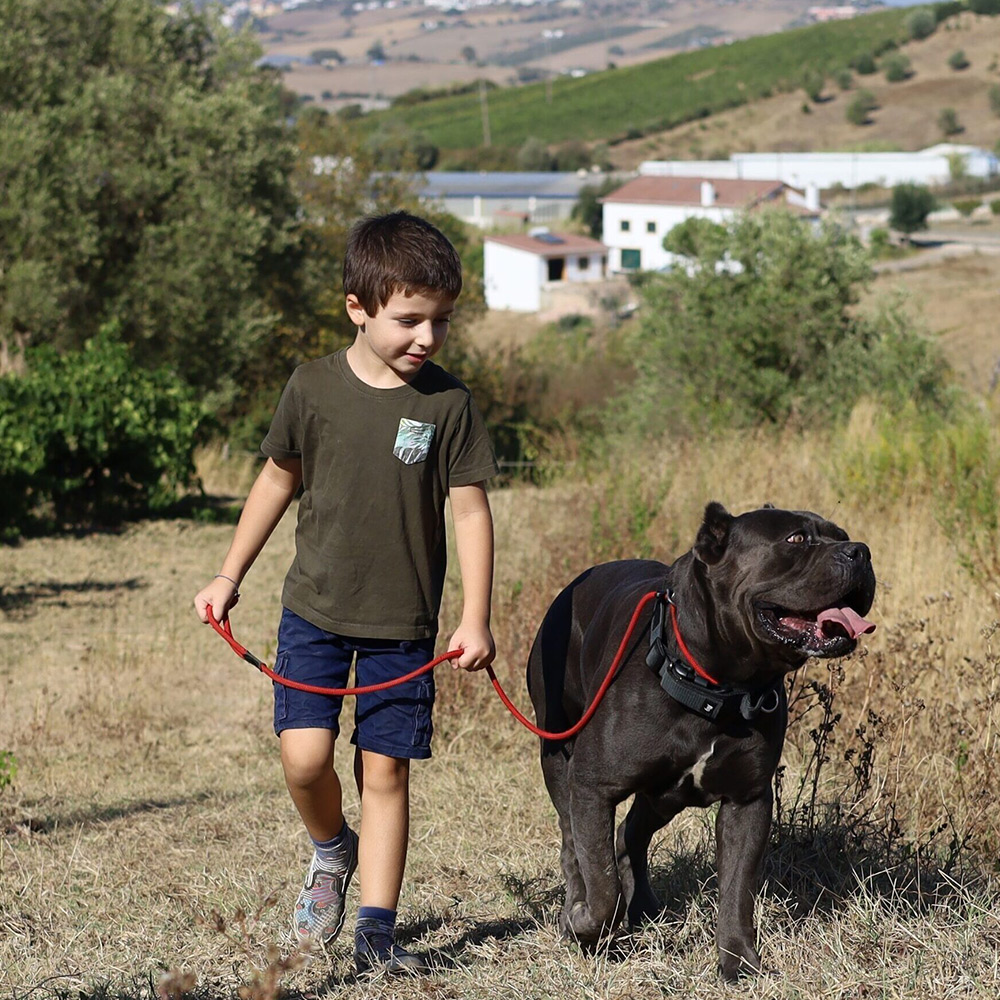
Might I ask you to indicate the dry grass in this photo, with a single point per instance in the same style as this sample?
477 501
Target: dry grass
149 831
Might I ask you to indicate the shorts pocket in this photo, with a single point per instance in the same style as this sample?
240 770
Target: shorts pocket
423 724
280 691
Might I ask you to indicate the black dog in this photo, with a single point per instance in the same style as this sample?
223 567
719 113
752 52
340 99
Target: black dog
697 711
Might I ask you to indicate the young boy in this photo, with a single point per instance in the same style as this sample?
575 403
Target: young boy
378 436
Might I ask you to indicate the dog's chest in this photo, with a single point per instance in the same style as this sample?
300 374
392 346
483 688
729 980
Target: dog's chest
718 771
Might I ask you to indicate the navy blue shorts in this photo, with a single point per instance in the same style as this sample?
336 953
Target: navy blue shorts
395 722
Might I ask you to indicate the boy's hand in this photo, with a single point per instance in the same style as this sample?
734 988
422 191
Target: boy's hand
476 643
221 594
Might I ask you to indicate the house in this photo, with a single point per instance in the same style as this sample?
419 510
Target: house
641 212
519 268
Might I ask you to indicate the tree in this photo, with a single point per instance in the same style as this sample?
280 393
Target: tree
812 83
958 60
534 155
468 53
921 24
865 64
909 208
771 333
947 121
897 68
376 52
697 238
146 165
988 7
859 107
588 209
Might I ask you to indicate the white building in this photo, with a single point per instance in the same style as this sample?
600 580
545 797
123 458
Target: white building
641 212
850 170
517 269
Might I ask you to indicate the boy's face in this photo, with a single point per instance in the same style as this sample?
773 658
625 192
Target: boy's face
402 335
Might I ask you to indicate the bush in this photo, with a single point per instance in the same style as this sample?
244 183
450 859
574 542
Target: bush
865 64
995 206
966 206
921 24
844 78
859 107
87 436
957 60
994 99
767 331
897 68
988 7
909 208
947 121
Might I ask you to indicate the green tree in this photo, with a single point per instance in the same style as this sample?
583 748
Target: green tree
697 238
897 67
769 332
865 63
909 207
859 107
958 60
146 171
921 24
947 121
534 155
588 209
988 7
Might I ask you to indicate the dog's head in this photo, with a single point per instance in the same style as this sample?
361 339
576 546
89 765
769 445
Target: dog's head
789 580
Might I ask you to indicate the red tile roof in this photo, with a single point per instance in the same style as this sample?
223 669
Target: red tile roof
546 247
687 191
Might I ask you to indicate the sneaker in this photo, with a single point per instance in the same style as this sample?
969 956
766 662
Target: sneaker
320 908
375 951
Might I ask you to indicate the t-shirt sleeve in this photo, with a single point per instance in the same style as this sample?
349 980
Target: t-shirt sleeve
470 456
284 437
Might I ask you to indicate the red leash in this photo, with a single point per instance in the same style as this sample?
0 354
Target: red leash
225 630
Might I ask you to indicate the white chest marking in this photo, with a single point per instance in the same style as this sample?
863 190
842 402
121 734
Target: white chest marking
697 769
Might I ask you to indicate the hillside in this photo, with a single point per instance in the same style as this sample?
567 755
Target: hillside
905 119
611 106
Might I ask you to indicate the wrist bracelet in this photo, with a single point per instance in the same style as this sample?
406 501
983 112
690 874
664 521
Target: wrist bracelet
222 576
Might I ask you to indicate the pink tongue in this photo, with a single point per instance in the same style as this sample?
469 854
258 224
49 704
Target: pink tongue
851 621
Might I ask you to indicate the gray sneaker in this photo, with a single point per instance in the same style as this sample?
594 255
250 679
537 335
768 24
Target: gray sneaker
320 908
375 951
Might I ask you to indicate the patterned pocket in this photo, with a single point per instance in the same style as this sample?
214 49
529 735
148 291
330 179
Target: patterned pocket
413 441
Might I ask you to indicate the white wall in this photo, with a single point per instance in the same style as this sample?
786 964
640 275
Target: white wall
512 278
650 244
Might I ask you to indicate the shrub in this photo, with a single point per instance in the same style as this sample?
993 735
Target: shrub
865 64
995 206
966 206
860 106
844 78
897 68
947 121
988 7
957 60
994 99
768 330
921 24
909 208
89 436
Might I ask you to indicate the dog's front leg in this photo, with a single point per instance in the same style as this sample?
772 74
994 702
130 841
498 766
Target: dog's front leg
593 817
740 838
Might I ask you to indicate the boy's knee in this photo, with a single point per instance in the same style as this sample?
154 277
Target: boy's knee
385 775
306 756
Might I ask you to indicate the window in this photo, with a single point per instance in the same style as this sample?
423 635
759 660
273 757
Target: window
582 263
626 225
650 227
631 260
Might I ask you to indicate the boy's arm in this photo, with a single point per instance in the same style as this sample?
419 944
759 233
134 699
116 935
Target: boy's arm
470 511
269 498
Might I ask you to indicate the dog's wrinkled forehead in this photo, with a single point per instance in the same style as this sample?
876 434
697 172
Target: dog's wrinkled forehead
772 524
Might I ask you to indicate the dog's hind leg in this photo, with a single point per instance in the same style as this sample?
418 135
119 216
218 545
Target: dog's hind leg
632 854
593 823
555 768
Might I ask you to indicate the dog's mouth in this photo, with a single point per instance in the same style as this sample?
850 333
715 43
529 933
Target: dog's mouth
827 631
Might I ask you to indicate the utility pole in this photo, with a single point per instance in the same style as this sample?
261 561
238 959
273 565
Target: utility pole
486 113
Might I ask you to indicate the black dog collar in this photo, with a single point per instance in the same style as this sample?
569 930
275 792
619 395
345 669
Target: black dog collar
695 691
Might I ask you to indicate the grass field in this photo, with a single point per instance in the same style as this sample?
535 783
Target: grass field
148 833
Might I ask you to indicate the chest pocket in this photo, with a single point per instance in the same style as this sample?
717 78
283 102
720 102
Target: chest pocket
413 441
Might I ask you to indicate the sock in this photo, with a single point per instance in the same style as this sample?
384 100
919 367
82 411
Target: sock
374 920
332 853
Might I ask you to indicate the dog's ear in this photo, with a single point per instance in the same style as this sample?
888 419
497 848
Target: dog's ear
713 534
767 505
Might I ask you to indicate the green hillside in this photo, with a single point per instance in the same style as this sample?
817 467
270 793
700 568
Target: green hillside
623 103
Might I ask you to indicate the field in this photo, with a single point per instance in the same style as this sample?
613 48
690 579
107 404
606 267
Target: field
424 47
147 838
906 117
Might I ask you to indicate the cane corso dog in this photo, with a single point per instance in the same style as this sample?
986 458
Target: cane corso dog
697 711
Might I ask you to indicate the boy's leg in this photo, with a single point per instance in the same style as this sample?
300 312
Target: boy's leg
393 727
307 726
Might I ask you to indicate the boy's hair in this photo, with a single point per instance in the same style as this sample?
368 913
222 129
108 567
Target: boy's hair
398 252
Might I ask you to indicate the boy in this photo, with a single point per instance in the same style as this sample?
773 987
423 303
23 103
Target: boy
378 436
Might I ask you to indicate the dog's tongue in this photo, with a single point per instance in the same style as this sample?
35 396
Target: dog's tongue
852 623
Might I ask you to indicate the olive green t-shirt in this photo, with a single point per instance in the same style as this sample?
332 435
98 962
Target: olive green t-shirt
377 464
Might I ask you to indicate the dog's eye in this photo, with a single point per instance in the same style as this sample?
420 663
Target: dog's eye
797 538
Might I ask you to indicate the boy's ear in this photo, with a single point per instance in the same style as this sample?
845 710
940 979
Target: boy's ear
355 310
